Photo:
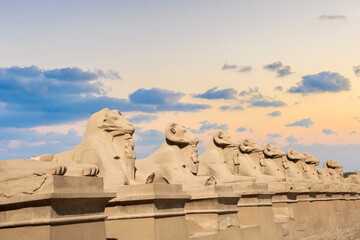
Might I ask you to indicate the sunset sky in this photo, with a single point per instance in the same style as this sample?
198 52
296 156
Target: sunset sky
284 72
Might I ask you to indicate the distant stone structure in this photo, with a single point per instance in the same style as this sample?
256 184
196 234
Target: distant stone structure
234 190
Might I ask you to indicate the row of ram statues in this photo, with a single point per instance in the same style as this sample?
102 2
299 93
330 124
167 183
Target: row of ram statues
255 192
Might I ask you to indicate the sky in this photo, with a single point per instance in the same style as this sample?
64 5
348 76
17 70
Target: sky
284 72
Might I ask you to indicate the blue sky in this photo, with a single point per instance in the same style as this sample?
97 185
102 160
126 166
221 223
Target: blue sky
285 72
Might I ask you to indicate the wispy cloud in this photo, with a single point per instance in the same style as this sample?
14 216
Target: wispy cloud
273 135
332 17
322 82
243 69
328 131
357 70
244 129
142 118
231 108
207 126
229 67
306 123
267 103
155 96
279 68
233 67
213 93
274 114
278 88
254 98
353 132
241 129
291 139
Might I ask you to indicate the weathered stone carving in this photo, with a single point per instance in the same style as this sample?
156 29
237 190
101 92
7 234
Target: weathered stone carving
296 164
275 160
24 168
221 160
311 171
107 148
334 170
108 145
252 162
175 162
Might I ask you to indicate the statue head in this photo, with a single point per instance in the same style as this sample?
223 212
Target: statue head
249 146
311 159
294 155
272 151
178 135
222 139
337 167
333 164
110 121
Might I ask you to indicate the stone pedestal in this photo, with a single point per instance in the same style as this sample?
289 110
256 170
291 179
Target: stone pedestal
65 208
322 213
350 209
147 211
283 209
256 216
357 208
211 213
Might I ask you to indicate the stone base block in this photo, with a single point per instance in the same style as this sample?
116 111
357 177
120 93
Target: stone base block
255 211
211 213
68 208
147 211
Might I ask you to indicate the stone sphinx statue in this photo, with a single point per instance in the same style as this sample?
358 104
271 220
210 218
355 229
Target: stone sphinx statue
221 160
107 150
311 171
275 160
290 165
333 171
175 162
295 166
252 161
107 145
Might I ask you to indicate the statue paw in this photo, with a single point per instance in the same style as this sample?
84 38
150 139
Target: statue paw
90 170
59 170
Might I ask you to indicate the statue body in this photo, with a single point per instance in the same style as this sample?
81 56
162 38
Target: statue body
275 160
175 162
311 163
252 162
107 144
221 160
333 171
295 165
107 148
